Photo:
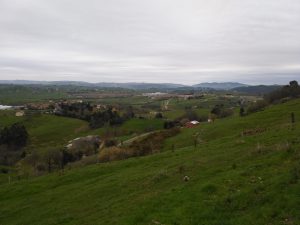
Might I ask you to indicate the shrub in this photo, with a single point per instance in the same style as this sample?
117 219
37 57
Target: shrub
158 115
221 112
242 111
114 153
110 143
170 124
257 106
152 143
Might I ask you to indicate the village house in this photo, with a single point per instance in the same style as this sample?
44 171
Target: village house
20 113
192 124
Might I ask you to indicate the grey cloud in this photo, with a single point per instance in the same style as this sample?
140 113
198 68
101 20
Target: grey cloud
187 41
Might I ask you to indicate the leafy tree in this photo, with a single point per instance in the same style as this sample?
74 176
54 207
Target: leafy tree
221 112
15 136
129 113
99 119
53 157
293 120
257 106
191 115
170 124
242 111
158 115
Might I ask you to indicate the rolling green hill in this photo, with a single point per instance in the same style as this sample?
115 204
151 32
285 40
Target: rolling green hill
242 171
45 130
50 130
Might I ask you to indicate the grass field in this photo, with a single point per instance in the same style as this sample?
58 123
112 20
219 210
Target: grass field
50 130
47 130
234 179
18 95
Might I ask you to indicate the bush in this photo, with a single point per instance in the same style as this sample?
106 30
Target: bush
191 115
158 115
114 153
153 142
110 143
257 106
171 124
145 146
221 112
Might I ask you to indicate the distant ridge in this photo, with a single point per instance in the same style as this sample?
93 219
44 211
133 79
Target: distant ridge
229 86
129 85
220 86
257 89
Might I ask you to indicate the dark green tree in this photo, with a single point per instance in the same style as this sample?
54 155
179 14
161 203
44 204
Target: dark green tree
242 111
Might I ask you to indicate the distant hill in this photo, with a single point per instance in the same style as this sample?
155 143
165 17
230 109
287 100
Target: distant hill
220 86
235 86
257 90
32 82
131 85
134 85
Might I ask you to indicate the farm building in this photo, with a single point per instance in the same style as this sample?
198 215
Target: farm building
192 124
20 113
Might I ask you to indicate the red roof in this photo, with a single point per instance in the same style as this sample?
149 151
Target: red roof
191 124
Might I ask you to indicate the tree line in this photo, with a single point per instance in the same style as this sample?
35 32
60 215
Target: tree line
290 91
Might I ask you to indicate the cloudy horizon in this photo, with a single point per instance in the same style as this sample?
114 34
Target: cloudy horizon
159 41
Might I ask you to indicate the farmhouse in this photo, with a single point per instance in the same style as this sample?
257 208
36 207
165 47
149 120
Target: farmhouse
20 113
192 124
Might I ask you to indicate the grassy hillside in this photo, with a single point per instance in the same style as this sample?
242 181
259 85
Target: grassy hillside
17 94
45 130
234 179
50 130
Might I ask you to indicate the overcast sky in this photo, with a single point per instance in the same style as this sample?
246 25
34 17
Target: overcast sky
178 41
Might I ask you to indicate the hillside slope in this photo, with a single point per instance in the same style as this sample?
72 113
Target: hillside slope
234 179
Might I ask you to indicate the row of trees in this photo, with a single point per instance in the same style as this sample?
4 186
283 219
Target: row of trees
46 161
80 110
110 117
97 119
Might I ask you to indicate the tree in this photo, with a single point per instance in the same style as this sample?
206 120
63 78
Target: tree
221 112
158 115
293 118
15 136
294 84
33 160
170 124
99 119
242 111
53 157
129 113
191 115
